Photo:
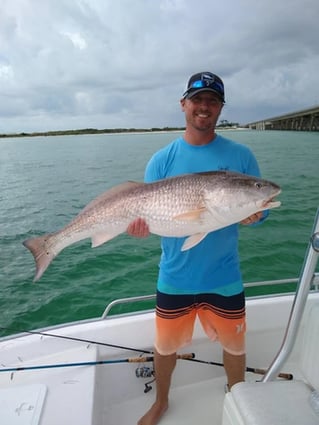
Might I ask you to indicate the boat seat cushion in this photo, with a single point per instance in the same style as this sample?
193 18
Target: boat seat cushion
310 343
277 403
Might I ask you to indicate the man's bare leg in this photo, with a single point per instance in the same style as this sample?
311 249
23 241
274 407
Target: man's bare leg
164 367
235 367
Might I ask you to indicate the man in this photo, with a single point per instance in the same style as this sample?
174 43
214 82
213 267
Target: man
204 281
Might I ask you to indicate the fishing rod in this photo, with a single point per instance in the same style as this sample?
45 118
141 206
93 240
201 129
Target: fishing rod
87 341
143 359
258 371
287 376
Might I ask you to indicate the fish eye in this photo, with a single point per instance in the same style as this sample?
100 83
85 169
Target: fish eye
258 185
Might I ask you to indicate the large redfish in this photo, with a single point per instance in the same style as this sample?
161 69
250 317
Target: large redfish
189 205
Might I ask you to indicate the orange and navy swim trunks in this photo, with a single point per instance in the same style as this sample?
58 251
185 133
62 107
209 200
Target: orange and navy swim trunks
222 318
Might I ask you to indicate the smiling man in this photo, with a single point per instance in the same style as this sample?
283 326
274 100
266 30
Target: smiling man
206 94
205 281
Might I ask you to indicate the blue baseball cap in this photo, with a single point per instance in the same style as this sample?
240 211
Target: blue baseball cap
204 81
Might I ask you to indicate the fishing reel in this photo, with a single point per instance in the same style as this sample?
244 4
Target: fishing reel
145 372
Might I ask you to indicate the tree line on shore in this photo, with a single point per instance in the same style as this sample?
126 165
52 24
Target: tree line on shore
223 124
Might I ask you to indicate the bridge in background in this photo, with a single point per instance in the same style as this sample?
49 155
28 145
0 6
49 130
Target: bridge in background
305 120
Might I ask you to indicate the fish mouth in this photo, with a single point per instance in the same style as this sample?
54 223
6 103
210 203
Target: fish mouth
271 202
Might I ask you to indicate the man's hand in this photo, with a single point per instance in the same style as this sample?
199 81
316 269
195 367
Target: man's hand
138 228
254 218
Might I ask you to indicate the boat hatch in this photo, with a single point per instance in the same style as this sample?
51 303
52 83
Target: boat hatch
22 405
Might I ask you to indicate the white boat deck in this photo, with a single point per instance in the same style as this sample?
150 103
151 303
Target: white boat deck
112 394
198 403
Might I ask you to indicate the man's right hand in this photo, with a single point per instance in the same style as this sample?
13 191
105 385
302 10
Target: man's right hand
138 228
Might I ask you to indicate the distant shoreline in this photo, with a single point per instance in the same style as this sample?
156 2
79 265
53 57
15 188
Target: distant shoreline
106 131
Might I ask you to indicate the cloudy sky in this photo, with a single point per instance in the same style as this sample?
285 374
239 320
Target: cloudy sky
67 64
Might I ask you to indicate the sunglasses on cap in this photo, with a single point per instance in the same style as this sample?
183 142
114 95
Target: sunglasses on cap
208 84
204 81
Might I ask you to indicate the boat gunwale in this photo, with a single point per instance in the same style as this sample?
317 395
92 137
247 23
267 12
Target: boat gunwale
104 318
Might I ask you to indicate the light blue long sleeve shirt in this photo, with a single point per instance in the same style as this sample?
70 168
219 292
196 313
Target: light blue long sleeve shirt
212 266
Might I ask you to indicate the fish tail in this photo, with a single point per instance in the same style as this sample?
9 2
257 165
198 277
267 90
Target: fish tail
41 253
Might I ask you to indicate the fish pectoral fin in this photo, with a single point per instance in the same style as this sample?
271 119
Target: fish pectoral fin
100 239
191 215
193 240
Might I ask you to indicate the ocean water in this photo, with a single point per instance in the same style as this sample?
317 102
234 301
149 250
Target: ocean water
46 181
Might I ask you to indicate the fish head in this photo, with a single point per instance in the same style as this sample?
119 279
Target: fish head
241 195
257 192
265 192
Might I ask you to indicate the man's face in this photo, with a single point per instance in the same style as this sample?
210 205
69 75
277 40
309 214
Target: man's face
202 110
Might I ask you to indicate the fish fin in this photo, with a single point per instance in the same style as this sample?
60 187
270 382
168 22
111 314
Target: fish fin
100 239
42 255
191 215
110 193
193 240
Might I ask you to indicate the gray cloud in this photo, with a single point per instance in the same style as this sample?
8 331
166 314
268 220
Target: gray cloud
100 63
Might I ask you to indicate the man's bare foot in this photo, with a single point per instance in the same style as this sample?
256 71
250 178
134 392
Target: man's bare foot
153 416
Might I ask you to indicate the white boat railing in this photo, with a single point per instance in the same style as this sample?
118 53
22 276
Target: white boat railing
262 283
303 288
126 301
